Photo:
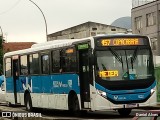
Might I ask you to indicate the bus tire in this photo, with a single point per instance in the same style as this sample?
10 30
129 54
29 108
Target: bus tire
9 104
74 105
124 112
28 102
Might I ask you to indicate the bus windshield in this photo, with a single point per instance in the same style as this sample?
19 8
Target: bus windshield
124 64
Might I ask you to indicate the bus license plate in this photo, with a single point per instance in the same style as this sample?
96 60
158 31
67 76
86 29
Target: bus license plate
131 105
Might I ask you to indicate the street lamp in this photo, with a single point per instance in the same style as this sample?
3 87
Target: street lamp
43 17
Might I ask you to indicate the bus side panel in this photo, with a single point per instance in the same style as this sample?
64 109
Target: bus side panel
9 85
51 91
10 90
64 83
46 88
36 84
10 97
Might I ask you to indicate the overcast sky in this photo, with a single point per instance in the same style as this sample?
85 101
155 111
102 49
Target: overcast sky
22 21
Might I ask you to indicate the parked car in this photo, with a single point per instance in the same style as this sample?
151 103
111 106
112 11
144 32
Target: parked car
2 89
148 115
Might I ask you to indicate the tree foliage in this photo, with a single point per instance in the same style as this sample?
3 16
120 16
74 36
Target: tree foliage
1 54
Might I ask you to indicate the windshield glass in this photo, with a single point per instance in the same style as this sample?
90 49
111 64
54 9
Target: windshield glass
127 64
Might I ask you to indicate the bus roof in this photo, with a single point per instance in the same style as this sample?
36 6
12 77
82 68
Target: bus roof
60 43
45 46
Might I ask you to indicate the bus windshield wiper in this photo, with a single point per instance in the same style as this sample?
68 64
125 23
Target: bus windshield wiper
134 55
117 56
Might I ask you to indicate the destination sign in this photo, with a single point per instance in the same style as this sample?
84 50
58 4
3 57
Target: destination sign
109 73
120 42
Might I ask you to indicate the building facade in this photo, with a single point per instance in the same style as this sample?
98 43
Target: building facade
85 30
146 21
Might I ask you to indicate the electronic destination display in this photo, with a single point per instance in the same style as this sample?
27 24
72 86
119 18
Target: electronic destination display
121 42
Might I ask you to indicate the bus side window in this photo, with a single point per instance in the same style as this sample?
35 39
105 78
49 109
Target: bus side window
23 65
62 61
55 61
45 64
70 60
8 68
33 63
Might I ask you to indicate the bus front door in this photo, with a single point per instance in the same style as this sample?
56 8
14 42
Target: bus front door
15 78
84 73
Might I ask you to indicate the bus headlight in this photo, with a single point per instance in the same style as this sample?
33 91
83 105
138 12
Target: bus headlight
102 93
152 91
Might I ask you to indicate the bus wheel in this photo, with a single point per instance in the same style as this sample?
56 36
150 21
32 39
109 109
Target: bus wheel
9 104
124 112
74 105
28 103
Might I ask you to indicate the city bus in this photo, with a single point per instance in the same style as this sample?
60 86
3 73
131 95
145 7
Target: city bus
91 74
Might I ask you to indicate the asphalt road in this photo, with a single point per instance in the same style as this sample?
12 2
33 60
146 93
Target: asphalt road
54 114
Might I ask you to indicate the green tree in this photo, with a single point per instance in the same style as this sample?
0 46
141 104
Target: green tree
1 55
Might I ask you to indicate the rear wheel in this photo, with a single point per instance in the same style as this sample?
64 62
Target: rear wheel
124 112
9 104
74 105
28 103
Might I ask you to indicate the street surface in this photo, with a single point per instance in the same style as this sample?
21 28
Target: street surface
54 114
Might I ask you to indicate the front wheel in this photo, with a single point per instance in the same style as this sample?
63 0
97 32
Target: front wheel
28 103
124 112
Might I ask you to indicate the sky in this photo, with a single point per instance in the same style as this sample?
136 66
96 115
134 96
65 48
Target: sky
22 21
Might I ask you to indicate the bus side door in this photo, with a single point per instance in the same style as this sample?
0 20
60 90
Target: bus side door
15 72
86 78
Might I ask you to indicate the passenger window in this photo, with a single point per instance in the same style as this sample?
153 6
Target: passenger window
68 60
55 61
34 63
45 64
8 67
23 65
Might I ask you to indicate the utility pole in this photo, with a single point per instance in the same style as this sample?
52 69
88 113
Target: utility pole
43 17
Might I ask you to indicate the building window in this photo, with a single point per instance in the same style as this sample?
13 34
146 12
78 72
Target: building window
34 63
23 65
45 64
150 19
8 67
93 33
138 22
154 43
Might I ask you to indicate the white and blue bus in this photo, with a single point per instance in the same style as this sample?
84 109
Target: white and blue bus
93 74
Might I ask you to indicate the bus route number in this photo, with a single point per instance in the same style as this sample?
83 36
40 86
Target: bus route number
106 42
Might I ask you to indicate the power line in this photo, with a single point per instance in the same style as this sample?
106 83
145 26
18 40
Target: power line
12 7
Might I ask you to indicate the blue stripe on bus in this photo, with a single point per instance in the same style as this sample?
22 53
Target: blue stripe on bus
58 84
127 95
99 87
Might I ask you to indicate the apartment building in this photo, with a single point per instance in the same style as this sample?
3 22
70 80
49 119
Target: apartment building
146 21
